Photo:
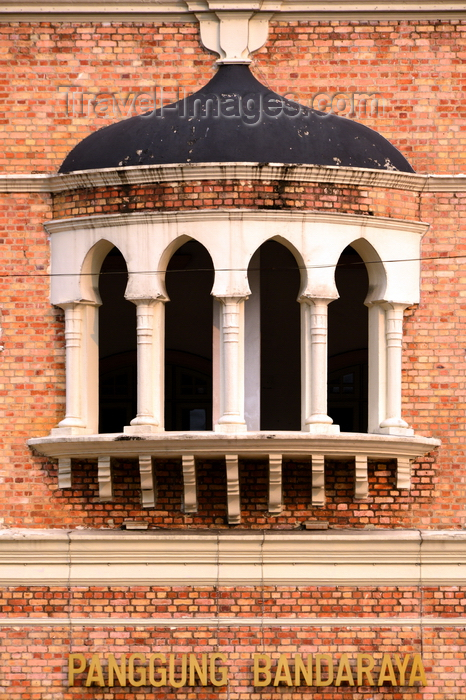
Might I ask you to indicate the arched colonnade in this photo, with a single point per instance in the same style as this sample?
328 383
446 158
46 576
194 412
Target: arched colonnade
147 241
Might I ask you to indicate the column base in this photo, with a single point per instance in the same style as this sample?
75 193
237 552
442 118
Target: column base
71 430
230 428
321 429
140 429
395 430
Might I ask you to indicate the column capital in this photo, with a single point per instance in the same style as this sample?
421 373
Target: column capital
147 301
226 299
316 301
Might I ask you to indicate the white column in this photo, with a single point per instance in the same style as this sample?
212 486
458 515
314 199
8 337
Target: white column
377 368
393 424
231 366
150 372
315 368
81 370
252 347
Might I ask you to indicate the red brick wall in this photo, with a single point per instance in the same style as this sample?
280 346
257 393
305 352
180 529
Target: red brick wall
228 194
415 66
34 659
32 361
32 382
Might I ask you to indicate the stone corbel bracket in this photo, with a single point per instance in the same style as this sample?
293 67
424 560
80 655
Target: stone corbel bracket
233 30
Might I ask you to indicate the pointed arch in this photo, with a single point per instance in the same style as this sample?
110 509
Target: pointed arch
375 267
189 337
90 270
348 342
272 333
117 344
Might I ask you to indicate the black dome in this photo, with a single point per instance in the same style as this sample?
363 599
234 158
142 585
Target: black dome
235 118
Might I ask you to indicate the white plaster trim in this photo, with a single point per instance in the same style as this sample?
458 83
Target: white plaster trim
150 174
281 622
251 444
177 10
233 557
212 215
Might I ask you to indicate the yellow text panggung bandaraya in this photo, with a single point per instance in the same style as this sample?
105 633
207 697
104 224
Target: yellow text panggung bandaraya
178 670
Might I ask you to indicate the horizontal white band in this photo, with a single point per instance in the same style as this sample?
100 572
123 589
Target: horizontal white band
150 174
233 622
233 558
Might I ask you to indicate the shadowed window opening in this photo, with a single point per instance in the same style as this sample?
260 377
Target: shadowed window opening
280 373
188 339
348 345
117 347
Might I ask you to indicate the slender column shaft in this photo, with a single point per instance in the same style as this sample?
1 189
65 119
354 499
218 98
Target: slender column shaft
232 365
393 338
150 359
74 360
316 383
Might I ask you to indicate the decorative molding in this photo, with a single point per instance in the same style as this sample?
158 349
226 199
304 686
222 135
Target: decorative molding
361 479
189 483
152 174
234 35
275 484
104 472
403 474
233 557
215 445
318 480
182 10
219 215
233 490
234 621
210 445
148 482
64 473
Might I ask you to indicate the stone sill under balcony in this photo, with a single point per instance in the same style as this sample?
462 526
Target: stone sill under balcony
274 446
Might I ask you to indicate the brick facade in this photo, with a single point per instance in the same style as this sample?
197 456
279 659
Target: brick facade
416 67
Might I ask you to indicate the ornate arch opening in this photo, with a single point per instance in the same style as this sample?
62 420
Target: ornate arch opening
189 339
117 347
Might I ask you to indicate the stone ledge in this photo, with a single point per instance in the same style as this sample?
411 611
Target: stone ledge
181 10
210 445
239 557
233 621
275 447
152 174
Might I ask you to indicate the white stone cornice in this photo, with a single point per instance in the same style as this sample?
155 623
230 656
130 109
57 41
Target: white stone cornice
153 174
233 621
235 557
218 215
183 10
212 445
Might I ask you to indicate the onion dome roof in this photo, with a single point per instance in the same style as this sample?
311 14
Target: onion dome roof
235 118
